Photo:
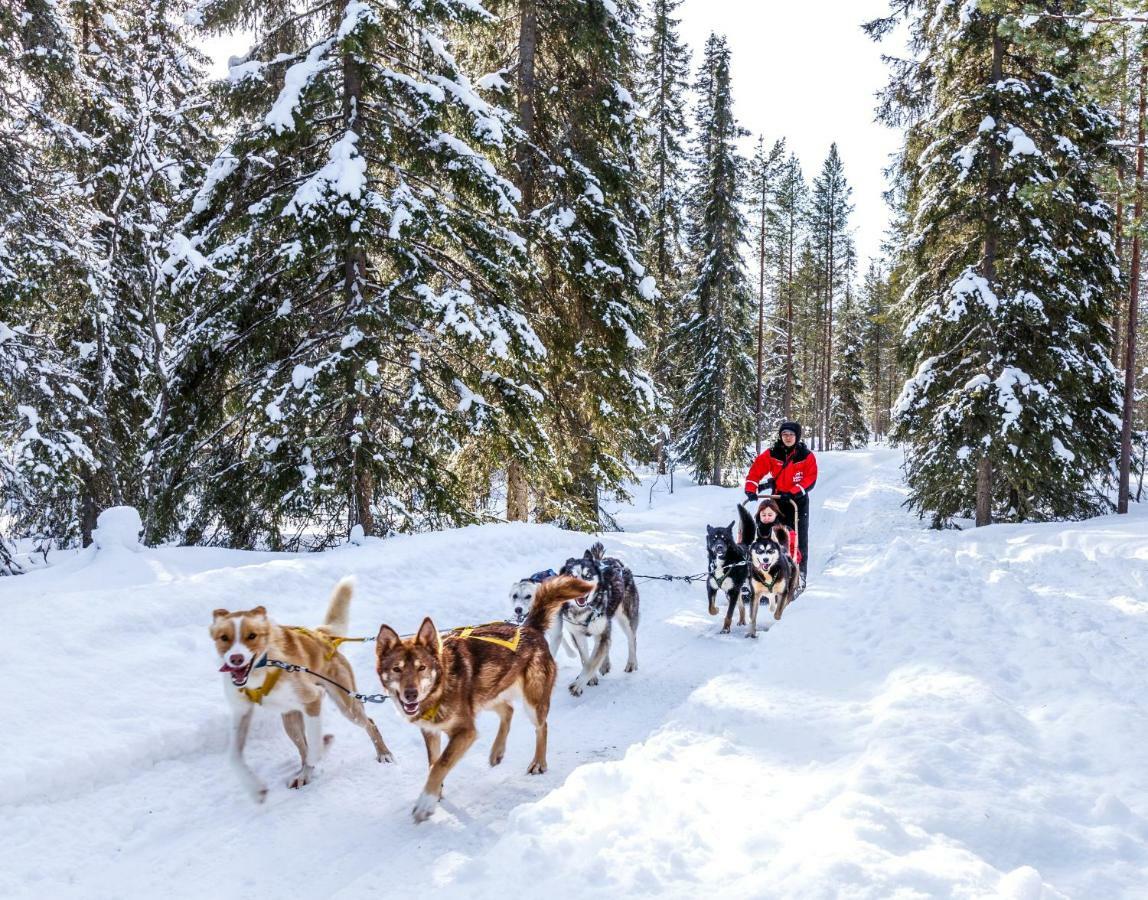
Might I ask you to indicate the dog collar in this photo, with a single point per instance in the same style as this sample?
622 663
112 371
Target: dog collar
256 695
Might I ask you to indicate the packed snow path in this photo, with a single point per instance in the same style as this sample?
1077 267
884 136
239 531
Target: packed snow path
941 714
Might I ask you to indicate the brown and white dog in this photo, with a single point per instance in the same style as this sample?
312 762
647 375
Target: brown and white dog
245 640
442 683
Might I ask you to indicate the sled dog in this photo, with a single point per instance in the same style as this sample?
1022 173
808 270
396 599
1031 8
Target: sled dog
773 576
614 596
727 572
245 640
441 683
522 595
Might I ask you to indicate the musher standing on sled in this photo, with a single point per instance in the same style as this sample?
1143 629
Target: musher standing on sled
788 470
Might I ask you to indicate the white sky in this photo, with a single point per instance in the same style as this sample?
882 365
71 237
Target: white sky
803 70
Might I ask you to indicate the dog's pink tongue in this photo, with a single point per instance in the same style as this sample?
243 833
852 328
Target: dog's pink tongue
225 668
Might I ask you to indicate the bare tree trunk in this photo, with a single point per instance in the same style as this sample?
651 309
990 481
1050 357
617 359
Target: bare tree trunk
1120 192
517 489
760 322
984 491
354 278
787 400
1133 294
984 464
517 494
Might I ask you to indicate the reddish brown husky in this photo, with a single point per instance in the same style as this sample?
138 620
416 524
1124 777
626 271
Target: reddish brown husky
442 683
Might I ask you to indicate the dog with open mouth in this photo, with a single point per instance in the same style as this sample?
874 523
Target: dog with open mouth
442 682
773 576
614 597
245 640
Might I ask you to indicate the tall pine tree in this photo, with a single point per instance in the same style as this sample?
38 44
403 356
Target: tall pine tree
716 405
351 262
1011 274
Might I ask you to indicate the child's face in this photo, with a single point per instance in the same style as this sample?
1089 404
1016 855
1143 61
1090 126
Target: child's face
766 515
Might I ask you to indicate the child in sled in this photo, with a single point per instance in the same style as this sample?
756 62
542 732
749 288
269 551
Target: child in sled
769 514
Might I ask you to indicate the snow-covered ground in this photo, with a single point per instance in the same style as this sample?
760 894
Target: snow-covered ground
941 714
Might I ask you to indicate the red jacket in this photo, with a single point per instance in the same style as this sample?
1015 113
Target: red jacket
792 471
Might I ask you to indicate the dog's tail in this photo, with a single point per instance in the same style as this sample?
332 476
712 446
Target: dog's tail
748 526
597 551
550 596
339 609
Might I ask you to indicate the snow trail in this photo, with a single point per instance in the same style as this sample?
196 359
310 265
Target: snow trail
941 714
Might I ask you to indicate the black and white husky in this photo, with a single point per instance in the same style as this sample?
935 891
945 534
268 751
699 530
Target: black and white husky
615 596
727 573
773 577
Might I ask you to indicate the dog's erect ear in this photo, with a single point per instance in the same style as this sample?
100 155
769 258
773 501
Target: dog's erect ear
428 636
709 529
387 640
730 526
258 611
219 614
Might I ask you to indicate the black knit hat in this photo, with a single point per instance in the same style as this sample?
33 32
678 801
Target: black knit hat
790 426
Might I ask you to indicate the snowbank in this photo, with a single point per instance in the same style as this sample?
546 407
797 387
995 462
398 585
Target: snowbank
941 714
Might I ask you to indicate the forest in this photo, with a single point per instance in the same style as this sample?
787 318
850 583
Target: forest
423 263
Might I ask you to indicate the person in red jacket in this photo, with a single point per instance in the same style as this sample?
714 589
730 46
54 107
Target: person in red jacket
788 471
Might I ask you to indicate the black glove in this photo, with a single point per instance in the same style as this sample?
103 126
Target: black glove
751 495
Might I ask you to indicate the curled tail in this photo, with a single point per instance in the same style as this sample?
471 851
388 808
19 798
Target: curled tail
550 596
339 609
597 551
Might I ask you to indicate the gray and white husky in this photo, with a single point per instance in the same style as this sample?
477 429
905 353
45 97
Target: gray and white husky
615 596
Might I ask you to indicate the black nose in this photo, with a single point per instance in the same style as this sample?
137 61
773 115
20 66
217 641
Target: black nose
518 610
236 659
410 695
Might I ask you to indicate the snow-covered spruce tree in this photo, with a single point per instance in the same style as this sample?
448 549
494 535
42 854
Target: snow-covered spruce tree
786 221
664 85
769 366
154 144
96 144
715 344
576 164
1012 408
351 266
847 428
42 219
832 245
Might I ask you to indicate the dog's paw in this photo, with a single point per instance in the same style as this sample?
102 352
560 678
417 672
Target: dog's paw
424 807
575 688
751 634
593 682
385 757
713 610
537 768
604 669
301 778
632 667
496 758
257 791
724 630
328 740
